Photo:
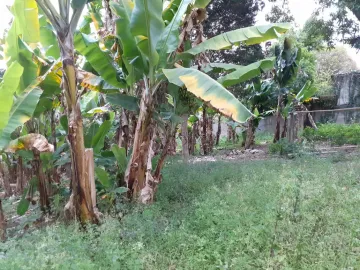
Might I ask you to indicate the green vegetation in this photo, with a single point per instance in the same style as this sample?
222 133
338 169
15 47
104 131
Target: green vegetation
275 214
336 134
285 148
90 110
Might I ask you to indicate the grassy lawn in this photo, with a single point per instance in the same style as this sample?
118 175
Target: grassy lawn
275 214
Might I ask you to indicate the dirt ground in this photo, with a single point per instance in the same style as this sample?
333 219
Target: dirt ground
261 152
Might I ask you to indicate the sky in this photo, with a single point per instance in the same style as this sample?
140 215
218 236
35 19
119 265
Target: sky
301 10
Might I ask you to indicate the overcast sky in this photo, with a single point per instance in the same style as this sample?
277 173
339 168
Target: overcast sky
301 10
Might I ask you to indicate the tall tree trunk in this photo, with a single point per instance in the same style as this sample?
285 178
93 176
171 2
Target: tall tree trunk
123 132
229 133
55 175
81 190
132 129
284 132
234 136
250 134
193 138
12 167
185 138
278 120
209 134
135 175
20 176
172 144
218 132
203 132
2 224
5 179
44 198
53 129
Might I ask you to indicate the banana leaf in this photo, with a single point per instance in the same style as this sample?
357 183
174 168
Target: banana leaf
210 91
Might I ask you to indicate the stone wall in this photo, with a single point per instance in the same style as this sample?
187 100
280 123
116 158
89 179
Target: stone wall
347 89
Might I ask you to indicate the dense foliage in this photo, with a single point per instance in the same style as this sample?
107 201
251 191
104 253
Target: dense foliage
335 134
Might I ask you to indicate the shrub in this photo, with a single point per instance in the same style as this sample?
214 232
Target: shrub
336 134
285 148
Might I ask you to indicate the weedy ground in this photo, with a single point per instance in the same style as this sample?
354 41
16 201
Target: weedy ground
273 214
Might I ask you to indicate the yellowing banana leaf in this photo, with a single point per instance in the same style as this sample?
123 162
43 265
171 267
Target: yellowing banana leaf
147 25
248 36
99 59
8 87
170 39
95 83
244 73
209 90
20 113
32 142
306 92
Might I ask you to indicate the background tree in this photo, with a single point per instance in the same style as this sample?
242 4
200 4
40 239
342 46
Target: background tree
316 34
329 63
227 15
280 12
344 21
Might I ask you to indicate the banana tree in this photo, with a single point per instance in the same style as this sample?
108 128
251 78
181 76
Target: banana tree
285 72
261 99
149 38
64 24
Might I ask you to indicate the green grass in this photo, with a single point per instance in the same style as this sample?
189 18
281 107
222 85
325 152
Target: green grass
276 214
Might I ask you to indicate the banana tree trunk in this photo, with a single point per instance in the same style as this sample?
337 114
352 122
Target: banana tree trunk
193 137
218 132
20 176
209 134
55 175
135 175
123 132
44 198
132 129
172 145
2 224
185 138
81 191
285 129
278 120
234 136
229 133
250 134
203 132
5 180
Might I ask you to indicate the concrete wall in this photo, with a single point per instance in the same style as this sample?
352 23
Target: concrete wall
347 88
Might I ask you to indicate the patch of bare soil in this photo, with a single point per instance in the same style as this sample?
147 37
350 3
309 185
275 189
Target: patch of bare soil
259 152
